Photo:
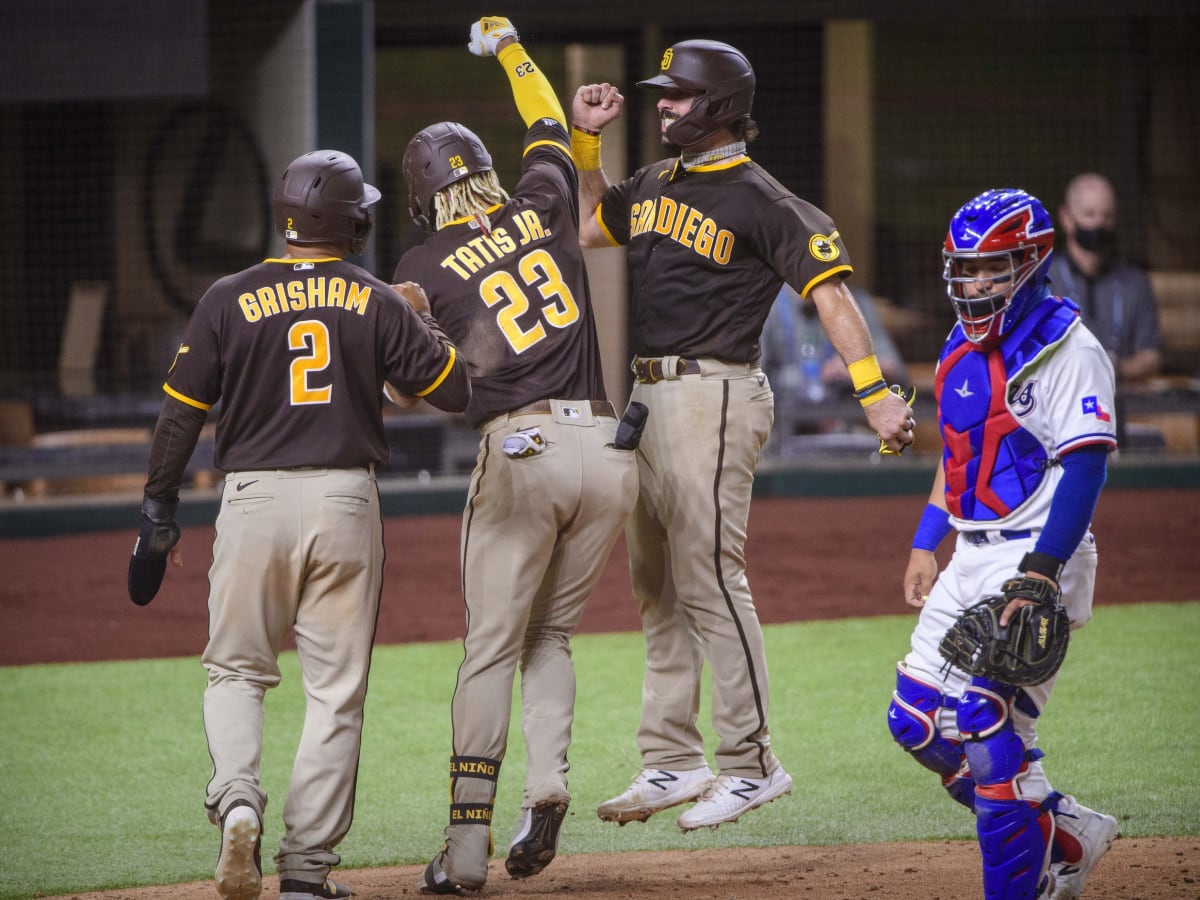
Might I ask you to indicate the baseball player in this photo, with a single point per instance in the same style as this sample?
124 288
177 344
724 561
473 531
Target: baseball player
550 492
297 350
711 237
1025 400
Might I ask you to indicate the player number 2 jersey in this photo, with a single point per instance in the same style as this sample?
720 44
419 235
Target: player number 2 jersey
322 335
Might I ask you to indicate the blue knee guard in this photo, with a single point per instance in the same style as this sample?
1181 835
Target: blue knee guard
911 718
1010 829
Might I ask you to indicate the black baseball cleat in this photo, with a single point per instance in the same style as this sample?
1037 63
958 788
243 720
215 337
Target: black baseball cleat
536 841
294 889
436 881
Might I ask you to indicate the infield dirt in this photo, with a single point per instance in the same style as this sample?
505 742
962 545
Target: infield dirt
1144 538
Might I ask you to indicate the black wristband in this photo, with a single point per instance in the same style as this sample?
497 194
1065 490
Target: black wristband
1042 564
585 130
870 389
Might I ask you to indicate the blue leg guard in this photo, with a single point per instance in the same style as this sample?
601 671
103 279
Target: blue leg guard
1014 834
912 720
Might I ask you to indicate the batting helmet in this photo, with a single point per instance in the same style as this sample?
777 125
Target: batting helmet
1006 224
322 199
723 79
436 158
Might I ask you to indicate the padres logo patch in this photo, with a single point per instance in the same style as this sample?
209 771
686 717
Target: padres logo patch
822 247
666 60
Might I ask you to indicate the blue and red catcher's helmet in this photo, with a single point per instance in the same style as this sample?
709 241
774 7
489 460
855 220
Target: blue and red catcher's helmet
999 223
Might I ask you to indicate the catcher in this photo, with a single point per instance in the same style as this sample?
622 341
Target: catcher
1025 409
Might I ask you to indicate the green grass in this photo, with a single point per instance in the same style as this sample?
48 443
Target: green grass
104 764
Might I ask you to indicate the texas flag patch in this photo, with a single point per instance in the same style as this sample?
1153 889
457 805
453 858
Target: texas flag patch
1091 407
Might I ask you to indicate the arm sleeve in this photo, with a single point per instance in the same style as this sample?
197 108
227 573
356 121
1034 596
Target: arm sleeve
531 89
175 435
1084 473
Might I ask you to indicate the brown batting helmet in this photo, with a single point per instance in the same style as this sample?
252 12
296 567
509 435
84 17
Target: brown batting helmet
722 77
436 158
322 199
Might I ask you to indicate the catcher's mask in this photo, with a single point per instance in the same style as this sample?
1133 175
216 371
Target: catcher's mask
1009 225
436 158
722 78
322 199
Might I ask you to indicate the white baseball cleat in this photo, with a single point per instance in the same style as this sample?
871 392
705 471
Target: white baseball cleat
1095 833
728 797
653 791
239 870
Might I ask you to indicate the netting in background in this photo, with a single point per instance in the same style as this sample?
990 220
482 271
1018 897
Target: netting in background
139 143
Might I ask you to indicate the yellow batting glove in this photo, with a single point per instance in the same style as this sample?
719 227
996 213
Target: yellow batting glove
907 398
488 32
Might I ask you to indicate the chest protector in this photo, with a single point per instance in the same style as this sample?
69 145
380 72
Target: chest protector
992 463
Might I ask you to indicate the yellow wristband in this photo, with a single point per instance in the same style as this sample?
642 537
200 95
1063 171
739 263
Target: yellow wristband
865 372
585 150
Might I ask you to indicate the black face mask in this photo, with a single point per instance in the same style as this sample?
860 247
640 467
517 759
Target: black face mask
1102 241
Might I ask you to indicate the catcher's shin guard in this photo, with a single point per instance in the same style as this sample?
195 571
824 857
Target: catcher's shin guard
1015 834
912 718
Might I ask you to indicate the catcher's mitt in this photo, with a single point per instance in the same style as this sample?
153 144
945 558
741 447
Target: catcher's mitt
1027 651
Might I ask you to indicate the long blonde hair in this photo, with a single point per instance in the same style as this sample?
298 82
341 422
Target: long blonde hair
469 198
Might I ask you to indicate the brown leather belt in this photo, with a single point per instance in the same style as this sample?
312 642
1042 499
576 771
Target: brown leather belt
650 370
598 408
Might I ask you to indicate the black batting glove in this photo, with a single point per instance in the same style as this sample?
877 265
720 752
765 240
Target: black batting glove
158 534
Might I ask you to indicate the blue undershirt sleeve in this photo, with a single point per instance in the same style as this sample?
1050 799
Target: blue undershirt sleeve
1074 503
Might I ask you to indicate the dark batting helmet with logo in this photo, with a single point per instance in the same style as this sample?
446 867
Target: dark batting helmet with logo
322 199
436 158
723 79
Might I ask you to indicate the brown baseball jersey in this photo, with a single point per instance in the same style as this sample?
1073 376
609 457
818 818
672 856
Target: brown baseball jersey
527 329
708 251
322 335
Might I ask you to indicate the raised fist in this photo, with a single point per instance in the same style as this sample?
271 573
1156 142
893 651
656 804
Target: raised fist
489 32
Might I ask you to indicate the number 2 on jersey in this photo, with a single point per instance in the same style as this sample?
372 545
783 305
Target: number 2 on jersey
539 269
312 336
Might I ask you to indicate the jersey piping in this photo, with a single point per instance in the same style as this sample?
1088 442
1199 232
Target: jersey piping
824 276
188 400
442 377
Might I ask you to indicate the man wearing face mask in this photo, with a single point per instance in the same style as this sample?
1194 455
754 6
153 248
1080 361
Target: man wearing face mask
1114 296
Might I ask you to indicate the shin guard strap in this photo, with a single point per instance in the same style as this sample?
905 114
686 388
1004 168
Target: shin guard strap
471 814
474 767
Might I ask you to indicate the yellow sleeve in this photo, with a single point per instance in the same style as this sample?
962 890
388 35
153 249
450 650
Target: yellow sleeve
532 91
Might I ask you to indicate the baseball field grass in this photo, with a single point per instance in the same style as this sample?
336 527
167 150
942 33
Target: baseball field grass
103 765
